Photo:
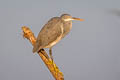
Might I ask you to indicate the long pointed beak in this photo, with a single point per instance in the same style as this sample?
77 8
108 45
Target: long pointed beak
77 19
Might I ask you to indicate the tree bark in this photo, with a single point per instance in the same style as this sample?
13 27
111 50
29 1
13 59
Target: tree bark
57 74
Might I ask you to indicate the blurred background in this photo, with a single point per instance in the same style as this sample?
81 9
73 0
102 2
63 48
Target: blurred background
91 51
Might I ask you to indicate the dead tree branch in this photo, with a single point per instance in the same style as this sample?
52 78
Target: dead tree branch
27 33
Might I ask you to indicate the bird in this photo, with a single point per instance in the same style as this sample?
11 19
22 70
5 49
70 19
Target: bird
53 31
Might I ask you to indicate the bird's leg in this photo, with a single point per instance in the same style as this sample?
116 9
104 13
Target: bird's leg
50 52
55 68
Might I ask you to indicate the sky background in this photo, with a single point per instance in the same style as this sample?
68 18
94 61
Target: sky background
91 51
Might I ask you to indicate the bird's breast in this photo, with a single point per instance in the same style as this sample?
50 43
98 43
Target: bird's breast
66 28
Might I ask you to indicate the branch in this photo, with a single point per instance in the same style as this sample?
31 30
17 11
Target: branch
27 33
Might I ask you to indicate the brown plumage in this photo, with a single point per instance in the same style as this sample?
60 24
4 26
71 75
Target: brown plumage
53 31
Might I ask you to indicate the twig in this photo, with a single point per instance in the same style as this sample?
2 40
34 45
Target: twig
27 33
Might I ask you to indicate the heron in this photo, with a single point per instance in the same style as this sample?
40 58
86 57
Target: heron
53 31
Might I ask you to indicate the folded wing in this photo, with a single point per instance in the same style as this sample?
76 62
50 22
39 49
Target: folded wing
51 32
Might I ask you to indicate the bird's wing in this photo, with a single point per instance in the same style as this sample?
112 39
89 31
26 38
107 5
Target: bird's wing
49 33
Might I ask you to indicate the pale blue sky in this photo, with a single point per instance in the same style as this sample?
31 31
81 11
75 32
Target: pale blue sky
90 52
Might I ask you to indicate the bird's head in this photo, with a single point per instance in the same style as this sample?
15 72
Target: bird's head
67 17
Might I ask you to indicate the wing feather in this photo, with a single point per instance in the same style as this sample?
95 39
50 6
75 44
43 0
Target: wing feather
49 33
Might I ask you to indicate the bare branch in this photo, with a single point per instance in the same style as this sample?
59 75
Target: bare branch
27 33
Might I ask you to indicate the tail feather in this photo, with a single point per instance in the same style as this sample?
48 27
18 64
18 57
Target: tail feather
35 49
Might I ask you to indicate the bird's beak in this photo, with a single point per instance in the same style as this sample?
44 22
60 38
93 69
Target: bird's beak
73 18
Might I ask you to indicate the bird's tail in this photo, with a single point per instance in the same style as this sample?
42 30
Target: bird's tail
35 48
